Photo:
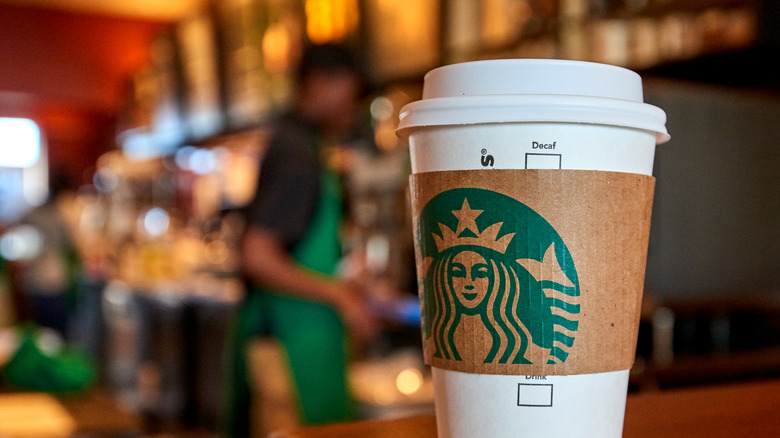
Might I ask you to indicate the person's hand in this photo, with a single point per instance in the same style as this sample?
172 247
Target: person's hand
358 317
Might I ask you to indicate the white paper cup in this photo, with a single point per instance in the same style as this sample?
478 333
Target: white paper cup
482 119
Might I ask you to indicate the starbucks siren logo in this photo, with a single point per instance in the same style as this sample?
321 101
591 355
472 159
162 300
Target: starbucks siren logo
489 257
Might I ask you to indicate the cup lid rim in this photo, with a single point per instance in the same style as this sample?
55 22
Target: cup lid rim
469 110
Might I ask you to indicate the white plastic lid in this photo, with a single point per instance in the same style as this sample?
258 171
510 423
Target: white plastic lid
533 90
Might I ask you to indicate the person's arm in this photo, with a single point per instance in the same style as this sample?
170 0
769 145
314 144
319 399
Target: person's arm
266 262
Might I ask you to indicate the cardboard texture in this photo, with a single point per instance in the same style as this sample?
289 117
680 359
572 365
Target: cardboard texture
531 272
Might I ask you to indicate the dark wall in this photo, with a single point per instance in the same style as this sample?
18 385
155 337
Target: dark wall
716 219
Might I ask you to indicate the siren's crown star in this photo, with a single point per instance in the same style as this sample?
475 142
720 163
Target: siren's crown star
467 232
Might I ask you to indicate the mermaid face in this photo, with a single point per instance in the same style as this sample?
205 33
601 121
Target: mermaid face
468 275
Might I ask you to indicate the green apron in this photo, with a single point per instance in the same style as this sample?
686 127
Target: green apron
311 333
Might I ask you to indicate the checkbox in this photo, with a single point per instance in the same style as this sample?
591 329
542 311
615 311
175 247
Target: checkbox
542 161
537 395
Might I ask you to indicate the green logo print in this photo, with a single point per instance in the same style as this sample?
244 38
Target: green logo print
486 254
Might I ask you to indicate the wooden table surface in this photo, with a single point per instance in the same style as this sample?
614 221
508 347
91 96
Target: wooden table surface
39 415
729 410
733 410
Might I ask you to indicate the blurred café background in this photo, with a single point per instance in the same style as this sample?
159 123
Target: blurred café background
131 132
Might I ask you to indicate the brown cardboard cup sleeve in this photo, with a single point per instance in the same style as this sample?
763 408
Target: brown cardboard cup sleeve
531 272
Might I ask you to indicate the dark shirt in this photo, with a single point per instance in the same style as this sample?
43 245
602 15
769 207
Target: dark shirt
288 184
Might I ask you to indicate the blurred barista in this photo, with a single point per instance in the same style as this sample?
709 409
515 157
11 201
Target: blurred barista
291 248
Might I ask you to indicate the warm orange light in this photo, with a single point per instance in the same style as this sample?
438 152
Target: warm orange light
409 381
330 20
168 10
34 415
276 49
